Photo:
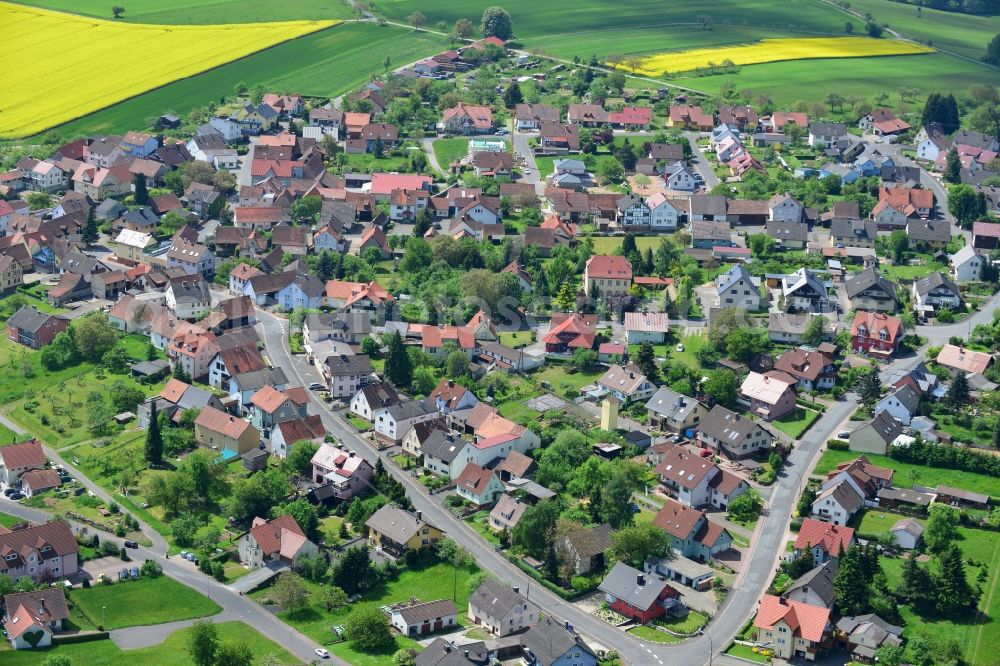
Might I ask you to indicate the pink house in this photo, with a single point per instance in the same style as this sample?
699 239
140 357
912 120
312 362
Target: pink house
769 396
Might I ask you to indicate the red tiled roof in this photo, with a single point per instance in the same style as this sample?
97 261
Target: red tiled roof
221 422
875 322
831 538
805 620
609 266
268 534
40 479
677 520
474 479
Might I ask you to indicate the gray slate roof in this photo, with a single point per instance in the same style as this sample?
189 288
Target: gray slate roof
549 640
495 598
623 582
819 580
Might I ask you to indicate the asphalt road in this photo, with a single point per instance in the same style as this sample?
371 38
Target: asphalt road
738 607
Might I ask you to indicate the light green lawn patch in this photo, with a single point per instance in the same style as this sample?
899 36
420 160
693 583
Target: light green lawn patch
907 272
562 377
517 411
654 635
795 423
692 341
876 523
450 150
688 624
9 521
142 602
927 476
746 652
359 423
172 652
514 338
613 244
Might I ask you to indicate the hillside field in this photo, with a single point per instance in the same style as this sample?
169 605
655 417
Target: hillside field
964 34
323 64
204 11
166 55
533 21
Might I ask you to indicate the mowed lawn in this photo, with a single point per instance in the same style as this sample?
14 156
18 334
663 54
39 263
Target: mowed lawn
323 64
875 522
450 150
171 652
141 602
532 19
613 244
204 11
926 476
795 423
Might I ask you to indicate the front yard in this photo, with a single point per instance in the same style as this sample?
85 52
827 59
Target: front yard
746 652
654 635
795 423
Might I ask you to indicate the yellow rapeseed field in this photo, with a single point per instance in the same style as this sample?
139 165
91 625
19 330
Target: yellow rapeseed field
774 50
61 66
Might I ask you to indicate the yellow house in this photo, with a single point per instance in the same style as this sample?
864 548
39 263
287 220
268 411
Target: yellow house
218 430
396 531
131 246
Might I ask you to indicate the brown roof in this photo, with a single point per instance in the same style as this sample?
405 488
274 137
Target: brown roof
269 534
50 539
679 465
474 478
268 399
174 389
590 541
23 455
311 427
516 463
429 610
676 519
221 422
51 599
41 479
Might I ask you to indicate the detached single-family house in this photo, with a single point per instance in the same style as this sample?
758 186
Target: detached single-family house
815 587
627 384
32 617
902 403
837 503
278 540
935 292
219 430
825 540
34 329
344 472
876 434
696 481
732 435
637 595
736 288
500 609
553 643
670 411
794 630
876 334
478 485
691 533
18 459
769 396
395 531
967 264
811 369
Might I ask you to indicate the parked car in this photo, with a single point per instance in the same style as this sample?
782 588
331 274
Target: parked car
17 496
134 572
322 653
131 544
9 491
844 434
316 386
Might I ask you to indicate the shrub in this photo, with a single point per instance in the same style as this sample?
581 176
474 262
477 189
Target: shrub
838 445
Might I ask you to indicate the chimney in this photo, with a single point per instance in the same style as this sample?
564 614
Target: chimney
640 580
451 383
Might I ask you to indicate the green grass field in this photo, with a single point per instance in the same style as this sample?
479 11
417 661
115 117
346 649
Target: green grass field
558 375
926 476
433 582
964 34
795 423
977 634
811 80
561 17
171 652
204 11
450 150
324 64
142 602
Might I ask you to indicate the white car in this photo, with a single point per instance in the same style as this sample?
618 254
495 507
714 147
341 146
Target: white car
322 654
680 346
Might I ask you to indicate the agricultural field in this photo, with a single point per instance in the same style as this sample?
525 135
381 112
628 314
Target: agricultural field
812 80
323 64
964 34
168 54
534 23
776 50
204 11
